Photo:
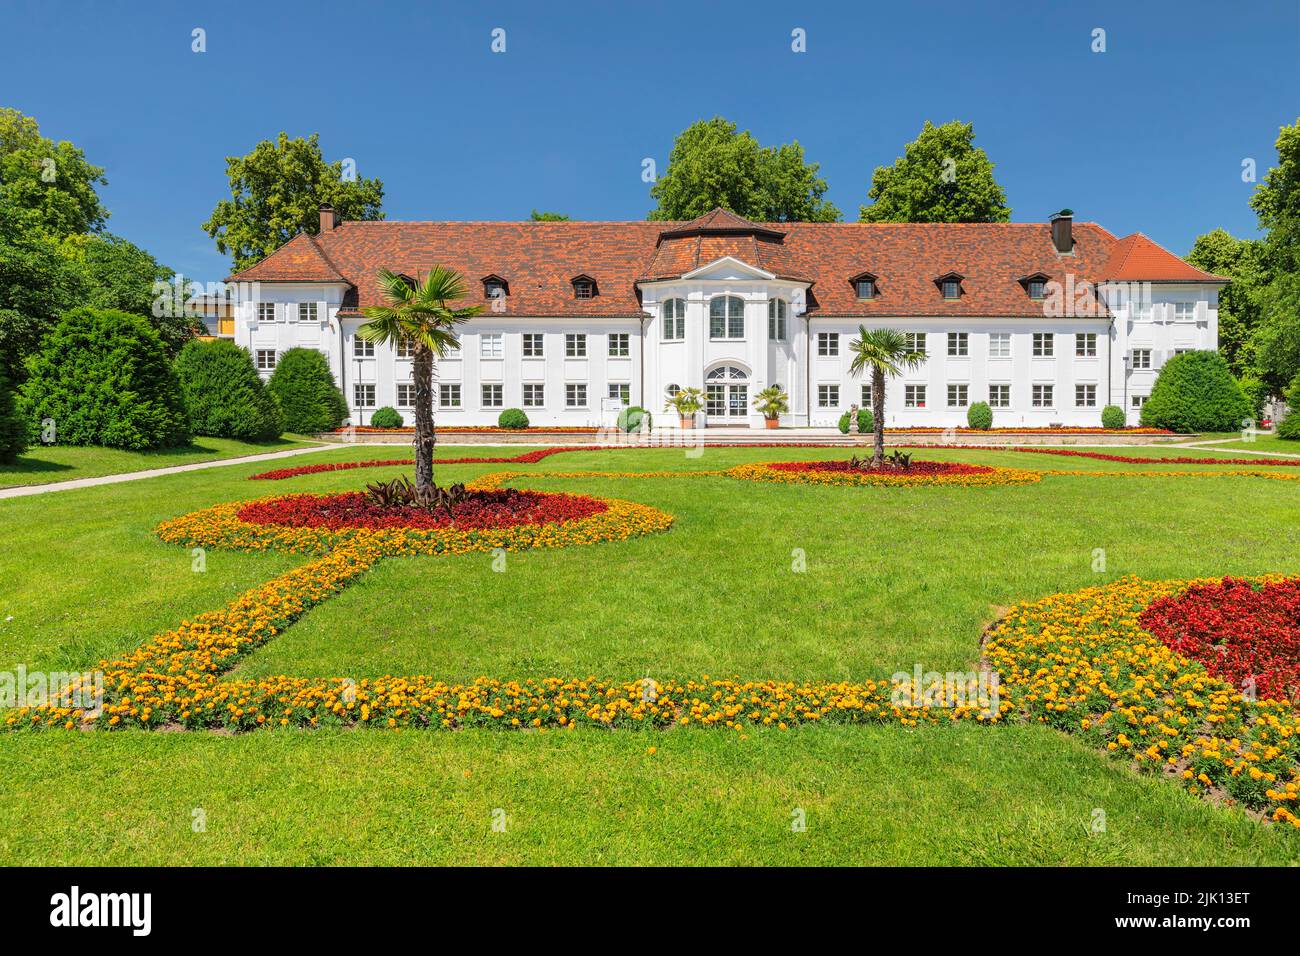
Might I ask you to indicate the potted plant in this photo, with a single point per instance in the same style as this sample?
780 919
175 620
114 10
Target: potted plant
686 402
772 402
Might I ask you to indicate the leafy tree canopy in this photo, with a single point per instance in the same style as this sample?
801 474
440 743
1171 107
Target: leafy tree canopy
942 176
46 187
1242 261
1277 203
711 165
539 216
276 191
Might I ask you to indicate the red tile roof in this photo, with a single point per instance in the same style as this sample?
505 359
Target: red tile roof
539 260
1136 258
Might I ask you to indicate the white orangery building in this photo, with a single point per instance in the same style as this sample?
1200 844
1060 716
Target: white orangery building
1046 322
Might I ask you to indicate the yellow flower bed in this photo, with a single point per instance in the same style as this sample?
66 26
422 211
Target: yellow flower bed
991 477
1082 663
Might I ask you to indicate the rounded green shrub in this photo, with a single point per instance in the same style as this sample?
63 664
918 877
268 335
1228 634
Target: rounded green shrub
13 430
304 386
102 378
512 418
1113 417
1257 393
386 417
844 424
1289 427
866 421
633 419
980 416
224 396
1195 392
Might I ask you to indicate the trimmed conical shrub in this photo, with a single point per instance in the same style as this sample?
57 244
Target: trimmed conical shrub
102 378
224 396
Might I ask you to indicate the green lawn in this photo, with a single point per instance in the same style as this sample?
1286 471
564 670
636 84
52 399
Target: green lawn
1260 443
43 464
893 577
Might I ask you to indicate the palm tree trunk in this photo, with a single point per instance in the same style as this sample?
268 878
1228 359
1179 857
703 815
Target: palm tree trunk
422 368
878 416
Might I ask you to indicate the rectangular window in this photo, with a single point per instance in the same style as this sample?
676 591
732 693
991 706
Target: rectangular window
958 396
828 343
534 346
999 345
1042 396
913 396
405 349
674 328
362 348
1137 401
622 391
534 396
958 344
999 396
1139 311
306 311
619 345
266 311
363 396
265 359
776 328
1044 345
584 289
1141 358
452 351
1085 396
491 345
575 345
1085 345
1184 311
575 395
493 396
866 396
914 341
951 289
449 396
405 395
1036 288
828 396
866 289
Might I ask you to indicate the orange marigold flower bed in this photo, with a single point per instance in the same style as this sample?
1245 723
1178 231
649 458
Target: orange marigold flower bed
920 473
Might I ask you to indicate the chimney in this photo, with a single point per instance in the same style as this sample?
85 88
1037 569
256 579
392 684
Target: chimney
1062 231
327 219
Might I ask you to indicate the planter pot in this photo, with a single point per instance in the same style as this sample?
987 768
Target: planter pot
772 422
688 421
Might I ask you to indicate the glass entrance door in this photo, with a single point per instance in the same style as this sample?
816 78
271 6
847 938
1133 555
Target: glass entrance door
726 401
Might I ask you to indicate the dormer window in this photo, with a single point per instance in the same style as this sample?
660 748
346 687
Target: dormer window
584 287
864 285
1035 286
950 285
495 287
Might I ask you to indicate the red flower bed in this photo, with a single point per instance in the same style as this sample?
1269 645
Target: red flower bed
483 509
918 468
1239 632
1134 460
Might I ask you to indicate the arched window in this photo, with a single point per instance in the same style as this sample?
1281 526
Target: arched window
777 310
674 316
726 393
726 317
725 373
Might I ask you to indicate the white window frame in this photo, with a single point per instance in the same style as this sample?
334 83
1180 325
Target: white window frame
308 312
534 345
491 345
778 310
1042 395
1184 311
1085 344
409 389
1002 348
673 313
575 394
1143 364
620 390
866 396
261 364
575 345
620 345
534 395
914 396
828 396
492 395
1044 345
405 349
362 348
916 342
958 345
363 394
730 322
266 311
961 392
449 395
1082 395
1003 392
828 344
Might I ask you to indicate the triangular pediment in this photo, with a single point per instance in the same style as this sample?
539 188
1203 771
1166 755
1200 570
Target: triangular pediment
728 267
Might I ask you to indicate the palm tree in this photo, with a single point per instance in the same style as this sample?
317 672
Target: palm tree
419 315
885 352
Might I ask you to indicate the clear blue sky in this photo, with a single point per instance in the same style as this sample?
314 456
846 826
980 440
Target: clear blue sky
1147 136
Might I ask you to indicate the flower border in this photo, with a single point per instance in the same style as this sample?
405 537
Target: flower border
994 476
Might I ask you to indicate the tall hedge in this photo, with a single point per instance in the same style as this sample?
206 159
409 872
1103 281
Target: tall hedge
103 378
13 430
1195 392
304 385
224 396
